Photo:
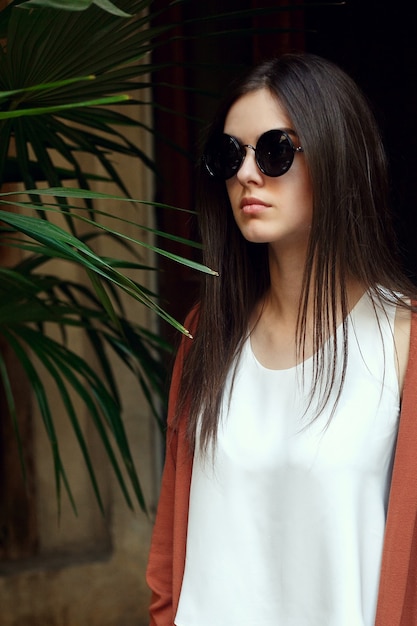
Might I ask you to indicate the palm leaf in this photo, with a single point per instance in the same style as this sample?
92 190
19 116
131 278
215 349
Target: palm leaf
37 299
42 399
76 5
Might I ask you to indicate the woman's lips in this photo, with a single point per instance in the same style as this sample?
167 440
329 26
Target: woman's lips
252 205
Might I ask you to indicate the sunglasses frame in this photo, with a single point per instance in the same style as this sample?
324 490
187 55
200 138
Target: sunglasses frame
241 153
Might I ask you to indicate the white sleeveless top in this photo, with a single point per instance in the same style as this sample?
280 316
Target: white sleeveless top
286 525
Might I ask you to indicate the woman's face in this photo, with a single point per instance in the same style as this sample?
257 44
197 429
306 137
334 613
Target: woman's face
277 211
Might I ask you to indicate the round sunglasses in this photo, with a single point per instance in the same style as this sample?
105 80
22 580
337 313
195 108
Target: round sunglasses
274 154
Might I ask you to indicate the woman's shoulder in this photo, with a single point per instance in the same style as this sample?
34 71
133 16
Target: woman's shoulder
403 309
402 336
405 336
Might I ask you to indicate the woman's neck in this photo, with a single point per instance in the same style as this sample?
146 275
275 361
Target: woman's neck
274 323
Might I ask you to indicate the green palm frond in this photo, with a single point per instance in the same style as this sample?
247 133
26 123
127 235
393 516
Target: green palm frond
31 299
76 5
39 77
59 243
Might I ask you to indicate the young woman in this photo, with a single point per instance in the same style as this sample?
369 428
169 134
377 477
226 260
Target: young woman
289 495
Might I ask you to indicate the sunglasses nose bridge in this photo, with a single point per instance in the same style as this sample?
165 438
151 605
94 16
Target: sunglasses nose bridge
249 146
244 148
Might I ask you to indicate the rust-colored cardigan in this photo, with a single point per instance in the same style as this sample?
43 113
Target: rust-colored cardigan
397 600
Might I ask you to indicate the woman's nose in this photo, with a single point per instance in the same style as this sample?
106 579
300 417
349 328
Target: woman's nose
249 170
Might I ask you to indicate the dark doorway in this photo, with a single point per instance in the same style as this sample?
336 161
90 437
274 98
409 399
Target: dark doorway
376 43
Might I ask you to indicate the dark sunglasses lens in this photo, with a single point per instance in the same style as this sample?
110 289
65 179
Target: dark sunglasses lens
223 157
274 153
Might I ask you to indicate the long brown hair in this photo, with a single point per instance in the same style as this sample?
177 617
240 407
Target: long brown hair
351 234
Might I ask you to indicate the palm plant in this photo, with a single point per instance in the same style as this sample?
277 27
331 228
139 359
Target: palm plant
53 97
59 72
